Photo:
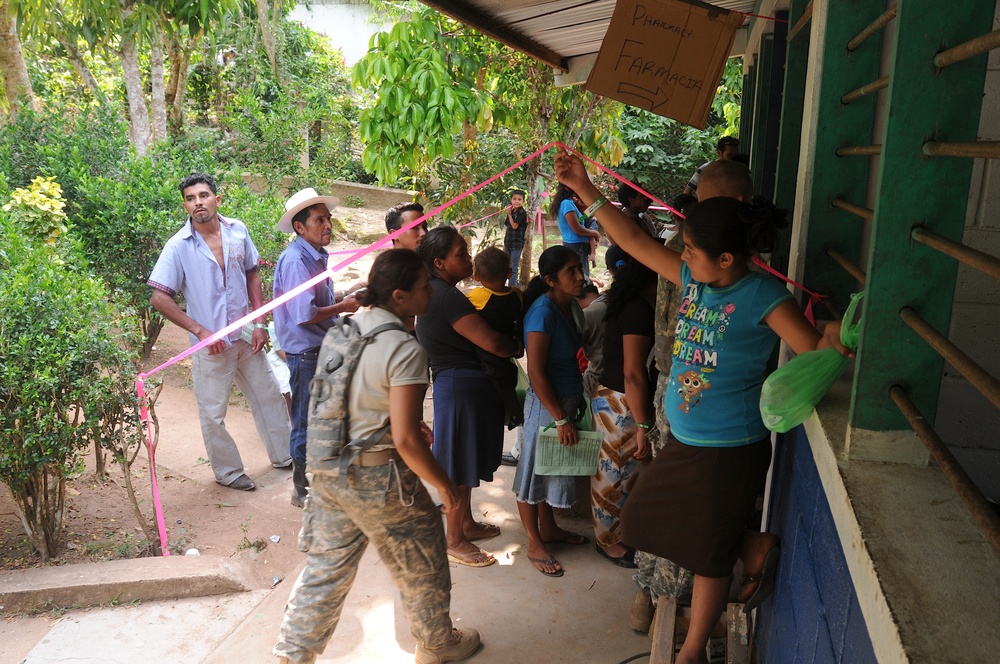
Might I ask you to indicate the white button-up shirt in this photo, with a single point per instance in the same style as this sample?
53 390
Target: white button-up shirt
187 265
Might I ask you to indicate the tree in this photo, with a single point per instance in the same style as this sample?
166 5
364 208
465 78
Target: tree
12 67
438 84
64 371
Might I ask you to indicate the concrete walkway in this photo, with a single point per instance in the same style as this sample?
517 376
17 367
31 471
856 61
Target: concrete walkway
521 615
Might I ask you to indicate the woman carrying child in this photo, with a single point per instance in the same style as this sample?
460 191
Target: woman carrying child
552 329
623 402
383 499
468 413
692 504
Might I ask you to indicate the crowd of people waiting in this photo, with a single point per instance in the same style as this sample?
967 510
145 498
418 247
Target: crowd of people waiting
675 509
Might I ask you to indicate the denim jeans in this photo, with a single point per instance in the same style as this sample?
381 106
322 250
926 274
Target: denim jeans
515 261
301 369
582 250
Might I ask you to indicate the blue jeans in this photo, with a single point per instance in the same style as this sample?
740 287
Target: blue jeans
582 250
301 369
515 261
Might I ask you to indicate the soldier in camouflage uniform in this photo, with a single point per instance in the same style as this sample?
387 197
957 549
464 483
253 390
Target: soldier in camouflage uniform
383 499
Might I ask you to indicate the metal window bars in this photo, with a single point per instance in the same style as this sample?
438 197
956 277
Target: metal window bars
978 377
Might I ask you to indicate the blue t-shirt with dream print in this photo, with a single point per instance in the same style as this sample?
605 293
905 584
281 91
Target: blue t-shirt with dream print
721 348
565 339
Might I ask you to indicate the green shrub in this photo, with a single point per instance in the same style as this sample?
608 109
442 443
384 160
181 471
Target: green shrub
65 376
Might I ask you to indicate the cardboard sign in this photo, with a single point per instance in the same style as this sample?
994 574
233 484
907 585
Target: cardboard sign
665 56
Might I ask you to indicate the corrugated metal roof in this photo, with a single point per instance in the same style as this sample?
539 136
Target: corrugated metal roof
554 31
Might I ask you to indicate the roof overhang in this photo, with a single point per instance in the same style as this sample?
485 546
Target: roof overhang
564 34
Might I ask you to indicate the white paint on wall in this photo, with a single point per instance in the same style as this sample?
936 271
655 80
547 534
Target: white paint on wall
346 23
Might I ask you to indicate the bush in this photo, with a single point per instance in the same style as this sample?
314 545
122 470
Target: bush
65 377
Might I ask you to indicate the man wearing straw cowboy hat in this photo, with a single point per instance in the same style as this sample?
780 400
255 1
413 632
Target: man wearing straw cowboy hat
302 322
213 261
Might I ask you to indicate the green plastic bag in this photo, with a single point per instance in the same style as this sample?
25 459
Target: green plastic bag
790 394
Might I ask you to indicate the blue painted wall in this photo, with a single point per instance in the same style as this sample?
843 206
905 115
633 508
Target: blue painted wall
813 616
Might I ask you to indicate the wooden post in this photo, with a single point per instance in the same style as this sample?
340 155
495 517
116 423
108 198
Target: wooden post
663 630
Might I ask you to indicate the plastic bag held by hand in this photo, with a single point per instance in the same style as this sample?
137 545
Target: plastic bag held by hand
790 394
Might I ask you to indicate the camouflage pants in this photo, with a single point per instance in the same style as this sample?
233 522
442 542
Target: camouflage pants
392 510
663 578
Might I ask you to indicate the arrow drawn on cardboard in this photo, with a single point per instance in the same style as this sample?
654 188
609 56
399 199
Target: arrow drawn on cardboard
655 98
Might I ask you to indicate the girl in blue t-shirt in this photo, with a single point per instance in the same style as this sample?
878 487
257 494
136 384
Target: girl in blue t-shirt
573 232
553 322
692 504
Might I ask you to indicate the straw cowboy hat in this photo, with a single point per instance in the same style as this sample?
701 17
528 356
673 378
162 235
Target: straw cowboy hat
300 200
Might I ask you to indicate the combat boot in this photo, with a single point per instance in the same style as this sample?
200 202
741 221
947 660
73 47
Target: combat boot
300 482
462 645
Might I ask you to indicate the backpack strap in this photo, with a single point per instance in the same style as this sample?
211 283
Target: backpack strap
356 448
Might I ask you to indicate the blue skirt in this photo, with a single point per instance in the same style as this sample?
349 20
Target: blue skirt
530 488
468 425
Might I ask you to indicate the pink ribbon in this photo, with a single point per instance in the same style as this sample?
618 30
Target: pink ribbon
354 255
813 297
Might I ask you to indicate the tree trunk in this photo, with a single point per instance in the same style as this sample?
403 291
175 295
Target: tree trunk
81 68
137 110
158 99
268 35
179 56
40 507
12 68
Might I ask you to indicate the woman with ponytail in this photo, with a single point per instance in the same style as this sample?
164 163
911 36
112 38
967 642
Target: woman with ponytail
574 234
468 410
553 325
382 500
692 504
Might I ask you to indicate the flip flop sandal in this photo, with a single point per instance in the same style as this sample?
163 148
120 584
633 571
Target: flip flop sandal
569 538
549 561
765 580
489 531
468 559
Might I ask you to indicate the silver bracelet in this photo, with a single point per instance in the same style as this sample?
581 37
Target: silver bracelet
561 422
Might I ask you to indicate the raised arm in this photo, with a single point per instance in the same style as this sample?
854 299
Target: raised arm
623 231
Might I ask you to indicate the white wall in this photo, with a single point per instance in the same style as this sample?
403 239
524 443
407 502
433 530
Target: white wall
965 419
345 22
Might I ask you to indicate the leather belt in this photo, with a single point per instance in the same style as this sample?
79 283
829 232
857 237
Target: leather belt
379 458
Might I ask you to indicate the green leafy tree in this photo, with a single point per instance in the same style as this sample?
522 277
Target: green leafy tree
437 87
65 377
